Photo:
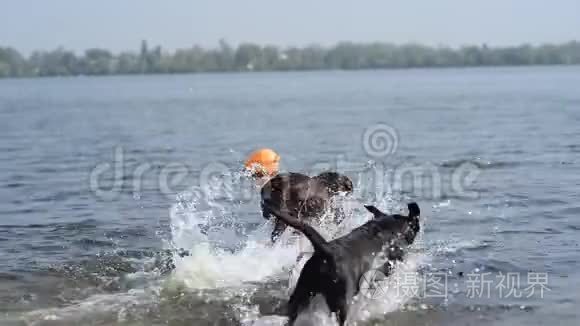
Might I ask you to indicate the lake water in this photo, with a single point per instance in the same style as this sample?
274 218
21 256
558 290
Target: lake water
103 181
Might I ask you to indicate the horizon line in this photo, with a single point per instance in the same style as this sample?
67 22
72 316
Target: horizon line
302 46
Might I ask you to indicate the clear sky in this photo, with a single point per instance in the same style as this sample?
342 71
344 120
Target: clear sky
121 24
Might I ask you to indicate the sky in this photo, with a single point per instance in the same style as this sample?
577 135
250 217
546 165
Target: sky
121 24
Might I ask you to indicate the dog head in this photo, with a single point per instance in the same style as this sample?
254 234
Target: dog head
335 182
411 220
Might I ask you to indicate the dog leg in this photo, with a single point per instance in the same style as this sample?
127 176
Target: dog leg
279 228
299 299
342 310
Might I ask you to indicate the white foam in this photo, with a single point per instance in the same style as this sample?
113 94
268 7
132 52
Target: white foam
209 267
113 307
316 314
394 295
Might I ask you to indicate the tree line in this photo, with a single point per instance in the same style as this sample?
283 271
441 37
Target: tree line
253 57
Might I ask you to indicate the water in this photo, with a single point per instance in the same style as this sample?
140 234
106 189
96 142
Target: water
84 242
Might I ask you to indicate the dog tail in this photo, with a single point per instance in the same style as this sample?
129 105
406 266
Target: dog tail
375 211
317 240
414 210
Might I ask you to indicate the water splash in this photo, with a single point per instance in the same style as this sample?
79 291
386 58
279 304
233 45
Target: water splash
230 272
197 222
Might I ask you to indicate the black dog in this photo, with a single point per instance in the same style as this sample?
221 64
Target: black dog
336 267
302 196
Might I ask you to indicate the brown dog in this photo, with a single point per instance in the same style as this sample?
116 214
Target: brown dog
302 196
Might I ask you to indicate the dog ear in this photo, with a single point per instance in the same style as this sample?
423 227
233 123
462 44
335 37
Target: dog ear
376 212
414 210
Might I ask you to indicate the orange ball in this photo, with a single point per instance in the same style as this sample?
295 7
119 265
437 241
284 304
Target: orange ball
263 162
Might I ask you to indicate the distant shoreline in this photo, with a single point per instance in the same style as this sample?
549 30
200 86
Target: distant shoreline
286 71
247 57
